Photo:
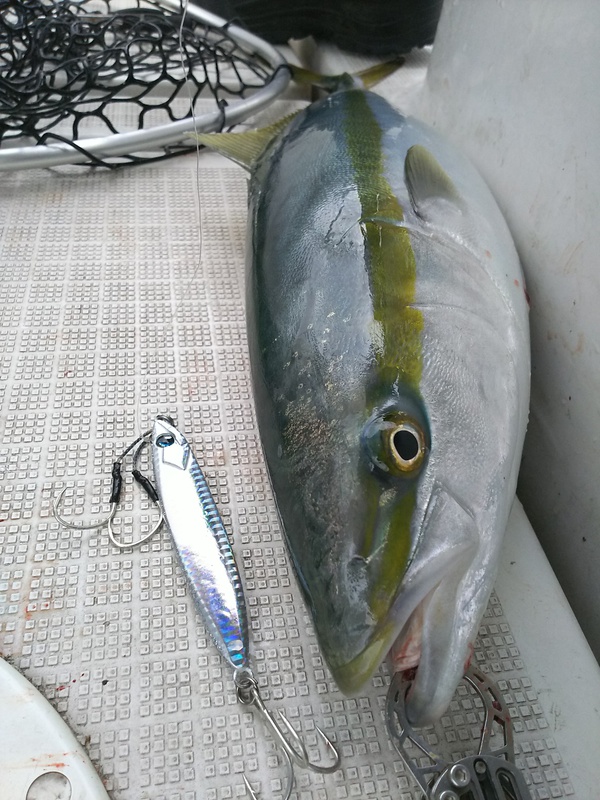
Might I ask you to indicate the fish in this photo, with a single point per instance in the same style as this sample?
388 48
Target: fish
387 325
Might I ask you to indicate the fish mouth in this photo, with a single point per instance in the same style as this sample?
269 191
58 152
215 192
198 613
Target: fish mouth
444 649
424 620
433 643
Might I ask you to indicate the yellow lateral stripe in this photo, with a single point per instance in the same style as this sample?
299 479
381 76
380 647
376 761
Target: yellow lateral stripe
392 262
398 343
393 559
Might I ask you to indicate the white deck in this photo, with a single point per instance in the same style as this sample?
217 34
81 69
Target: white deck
107 317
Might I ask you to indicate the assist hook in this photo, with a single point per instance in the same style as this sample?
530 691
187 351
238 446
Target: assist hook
115 495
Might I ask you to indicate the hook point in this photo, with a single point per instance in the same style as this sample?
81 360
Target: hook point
290 780
334 751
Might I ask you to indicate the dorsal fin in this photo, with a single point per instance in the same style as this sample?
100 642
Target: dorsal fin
426 179
247 147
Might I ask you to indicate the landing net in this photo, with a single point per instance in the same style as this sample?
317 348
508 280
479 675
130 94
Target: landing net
87 82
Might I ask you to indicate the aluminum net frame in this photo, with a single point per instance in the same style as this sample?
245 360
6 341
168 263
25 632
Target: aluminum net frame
108 84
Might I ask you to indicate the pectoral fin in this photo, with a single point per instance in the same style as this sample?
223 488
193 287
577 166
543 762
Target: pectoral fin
247 147
427 181
435 198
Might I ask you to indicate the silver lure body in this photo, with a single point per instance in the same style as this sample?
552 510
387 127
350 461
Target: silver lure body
201 542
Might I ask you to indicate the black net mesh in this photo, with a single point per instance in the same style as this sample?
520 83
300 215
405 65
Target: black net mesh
75 70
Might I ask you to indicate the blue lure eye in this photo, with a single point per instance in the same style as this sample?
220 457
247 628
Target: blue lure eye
165 440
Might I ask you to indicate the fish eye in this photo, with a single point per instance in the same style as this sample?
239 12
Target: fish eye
406 446
165 440
396 443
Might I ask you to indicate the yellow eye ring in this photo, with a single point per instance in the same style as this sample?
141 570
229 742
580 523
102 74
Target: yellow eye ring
405 445
396 443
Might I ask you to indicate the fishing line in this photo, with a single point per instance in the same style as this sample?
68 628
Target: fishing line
184 61
185 71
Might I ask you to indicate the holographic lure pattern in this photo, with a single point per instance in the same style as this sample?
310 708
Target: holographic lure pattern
201 542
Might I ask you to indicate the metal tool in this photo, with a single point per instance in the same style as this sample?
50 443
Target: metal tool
490 774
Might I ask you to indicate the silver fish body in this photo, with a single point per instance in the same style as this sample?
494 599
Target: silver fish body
201 542
364 261
389 345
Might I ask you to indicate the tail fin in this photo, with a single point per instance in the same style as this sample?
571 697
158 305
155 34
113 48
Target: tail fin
358 80
247 147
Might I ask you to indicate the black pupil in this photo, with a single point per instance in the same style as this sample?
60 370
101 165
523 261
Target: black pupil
406 445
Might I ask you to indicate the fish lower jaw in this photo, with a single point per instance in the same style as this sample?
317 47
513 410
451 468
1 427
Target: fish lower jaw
429 646
405 654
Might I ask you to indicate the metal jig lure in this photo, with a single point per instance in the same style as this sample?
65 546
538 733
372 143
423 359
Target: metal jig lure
491 774
189 510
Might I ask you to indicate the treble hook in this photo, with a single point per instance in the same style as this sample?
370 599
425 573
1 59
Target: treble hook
248 694
115 496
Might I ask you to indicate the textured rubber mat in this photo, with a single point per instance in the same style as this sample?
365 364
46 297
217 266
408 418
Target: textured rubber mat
108 317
